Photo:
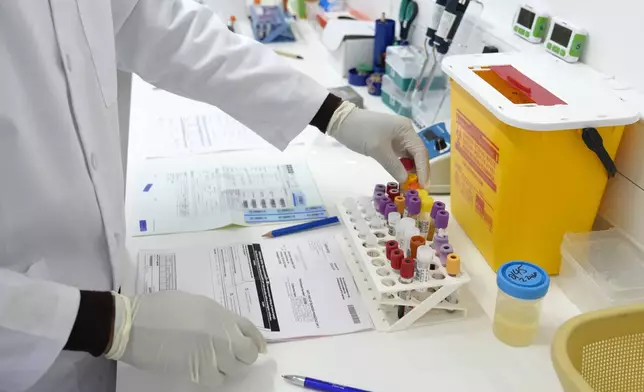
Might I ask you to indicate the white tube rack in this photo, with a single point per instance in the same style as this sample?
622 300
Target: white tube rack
379 284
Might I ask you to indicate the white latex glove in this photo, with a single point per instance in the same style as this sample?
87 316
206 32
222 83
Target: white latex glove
384 137
187 336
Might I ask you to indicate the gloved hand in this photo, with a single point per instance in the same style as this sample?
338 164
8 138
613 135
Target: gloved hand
184 335
384 137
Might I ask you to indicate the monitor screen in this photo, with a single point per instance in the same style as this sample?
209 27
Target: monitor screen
429 134
561 35
526 18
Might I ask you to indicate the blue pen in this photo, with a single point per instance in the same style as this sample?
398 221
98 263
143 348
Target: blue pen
302 227
318 385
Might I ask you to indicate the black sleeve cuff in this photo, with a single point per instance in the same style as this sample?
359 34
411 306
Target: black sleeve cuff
92 330
324 114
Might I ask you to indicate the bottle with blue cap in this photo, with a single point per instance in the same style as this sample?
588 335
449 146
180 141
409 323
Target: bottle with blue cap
522 286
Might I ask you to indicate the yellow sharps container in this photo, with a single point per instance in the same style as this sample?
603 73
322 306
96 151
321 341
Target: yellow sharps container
533 143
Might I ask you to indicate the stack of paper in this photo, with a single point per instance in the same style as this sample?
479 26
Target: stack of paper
290 288
183 195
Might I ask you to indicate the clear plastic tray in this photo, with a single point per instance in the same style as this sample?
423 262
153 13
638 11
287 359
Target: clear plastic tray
601 269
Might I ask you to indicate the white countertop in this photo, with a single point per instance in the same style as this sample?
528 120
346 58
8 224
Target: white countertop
458 356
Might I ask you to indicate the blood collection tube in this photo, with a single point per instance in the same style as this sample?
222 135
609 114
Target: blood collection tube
400 204
445 250
393 193
413 208
411 192
397 256
438 205
389 247
410 233
453 265
382 203
401 228
411 183
424 217
409 164
416 241
379 188
389 208
393 218
377 196
453 268
440 240
406 277
442 219
391 185
424 257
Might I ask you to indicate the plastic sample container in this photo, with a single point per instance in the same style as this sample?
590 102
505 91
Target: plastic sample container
522 285
394 97
403 64
533 143
601 269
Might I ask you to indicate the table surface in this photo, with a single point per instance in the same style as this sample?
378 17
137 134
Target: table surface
458 356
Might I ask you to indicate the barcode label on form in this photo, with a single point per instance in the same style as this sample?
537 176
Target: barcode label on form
354 314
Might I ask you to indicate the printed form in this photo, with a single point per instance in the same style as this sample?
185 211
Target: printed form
199 194
289 288
199 133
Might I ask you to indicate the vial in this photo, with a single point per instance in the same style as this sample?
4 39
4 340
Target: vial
437 206
443 252
522 286
424 217
406 277
442 219
410 232
415 242
400 204
424 256
377 196
393 219
389 208
413 208
382 203
379 188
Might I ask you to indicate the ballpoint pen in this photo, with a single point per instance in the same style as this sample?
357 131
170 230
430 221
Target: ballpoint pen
302 227
319 385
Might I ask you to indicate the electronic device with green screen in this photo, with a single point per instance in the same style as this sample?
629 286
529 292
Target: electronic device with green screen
530 24
565 40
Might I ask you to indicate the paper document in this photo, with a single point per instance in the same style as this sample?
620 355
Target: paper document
199 133
290 288
195 194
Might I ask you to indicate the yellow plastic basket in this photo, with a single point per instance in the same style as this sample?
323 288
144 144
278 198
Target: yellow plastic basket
601 351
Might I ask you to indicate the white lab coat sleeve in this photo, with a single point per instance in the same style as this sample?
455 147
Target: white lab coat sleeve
36 318
183 47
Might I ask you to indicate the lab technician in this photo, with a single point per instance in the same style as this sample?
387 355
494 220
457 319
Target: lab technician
62 190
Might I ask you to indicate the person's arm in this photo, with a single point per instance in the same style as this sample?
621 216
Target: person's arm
36 318
182 47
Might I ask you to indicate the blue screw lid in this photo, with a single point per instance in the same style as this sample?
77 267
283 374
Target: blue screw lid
523 280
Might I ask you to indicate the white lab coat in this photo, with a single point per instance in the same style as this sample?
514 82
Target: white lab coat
61 178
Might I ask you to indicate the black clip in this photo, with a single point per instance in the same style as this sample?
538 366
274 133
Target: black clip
595 143
440 144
